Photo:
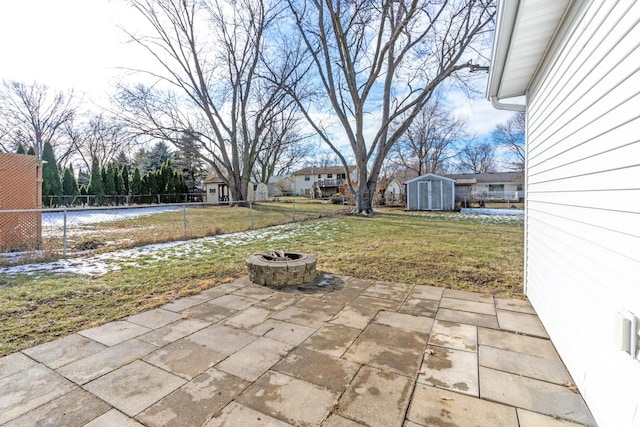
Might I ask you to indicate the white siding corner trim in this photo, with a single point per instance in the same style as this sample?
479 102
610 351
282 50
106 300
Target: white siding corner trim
582 231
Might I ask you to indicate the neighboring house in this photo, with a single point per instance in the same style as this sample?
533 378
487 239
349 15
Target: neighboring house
430 192
257 192
281 186
321 181
489 186
394 192
577 64
217 190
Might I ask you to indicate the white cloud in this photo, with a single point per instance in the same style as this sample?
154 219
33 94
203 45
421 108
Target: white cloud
482 118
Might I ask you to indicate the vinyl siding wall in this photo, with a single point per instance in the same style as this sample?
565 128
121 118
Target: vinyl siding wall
583 200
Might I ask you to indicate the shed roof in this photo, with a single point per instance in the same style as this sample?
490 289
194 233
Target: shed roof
323 169
429 175
524 31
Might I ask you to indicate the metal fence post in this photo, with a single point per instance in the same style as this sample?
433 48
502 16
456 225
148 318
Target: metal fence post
294 211
250 216
64 232
184 219
322 210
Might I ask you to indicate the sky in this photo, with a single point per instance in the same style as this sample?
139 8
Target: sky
76 44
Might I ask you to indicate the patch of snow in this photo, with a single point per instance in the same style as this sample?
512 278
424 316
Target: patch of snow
149 255
93 216
486 211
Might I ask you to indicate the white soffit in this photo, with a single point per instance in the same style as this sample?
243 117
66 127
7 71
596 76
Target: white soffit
535 24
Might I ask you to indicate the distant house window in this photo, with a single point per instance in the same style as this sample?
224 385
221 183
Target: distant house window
329 175
341 176
519 187
496 187
212 190
319 176
307 178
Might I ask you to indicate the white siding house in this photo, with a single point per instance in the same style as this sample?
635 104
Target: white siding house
577 64
328 178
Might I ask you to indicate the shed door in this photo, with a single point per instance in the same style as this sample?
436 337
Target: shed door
430 195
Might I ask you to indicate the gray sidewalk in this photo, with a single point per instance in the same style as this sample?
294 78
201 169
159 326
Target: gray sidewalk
350 353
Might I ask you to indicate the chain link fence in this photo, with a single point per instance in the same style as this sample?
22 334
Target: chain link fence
39 234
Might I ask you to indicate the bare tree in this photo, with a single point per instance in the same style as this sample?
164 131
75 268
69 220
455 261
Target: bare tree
283 147
31 114
429 142
477 157
377 64
100 137
511 137
212 55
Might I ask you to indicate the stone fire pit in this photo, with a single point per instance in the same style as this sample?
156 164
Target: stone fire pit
280 268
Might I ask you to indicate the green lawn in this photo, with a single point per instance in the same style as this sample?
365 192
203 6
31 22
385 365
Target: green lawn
448 250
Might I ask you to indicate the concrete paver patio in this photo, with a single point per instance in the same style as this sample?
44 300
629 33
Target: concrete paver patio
352 352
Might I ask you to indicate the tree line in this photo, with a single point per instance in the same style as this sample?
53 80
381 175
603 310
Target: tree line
109 185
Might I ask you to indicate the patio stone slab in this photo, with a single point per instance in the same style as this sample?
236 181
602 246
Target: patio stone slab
208 312
420 307
368 302
134 387
355 317
469 296
113 333
356 283
255 359
75 408
235 302
25 390
523 323
184 358
223 339
404 321
84 370
321 306
338 421
519 343
538 368
533 419
537 396
391 291
253 291
286 332
471 306
454 370
13 363
248 318
389 348
512 304
454 335
332 339
65 350
173 331
318 368
302 317
182 304
467 318
196 402
376 398
113 418
235 415
426 292
435 407
287 398
153 319
278 301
